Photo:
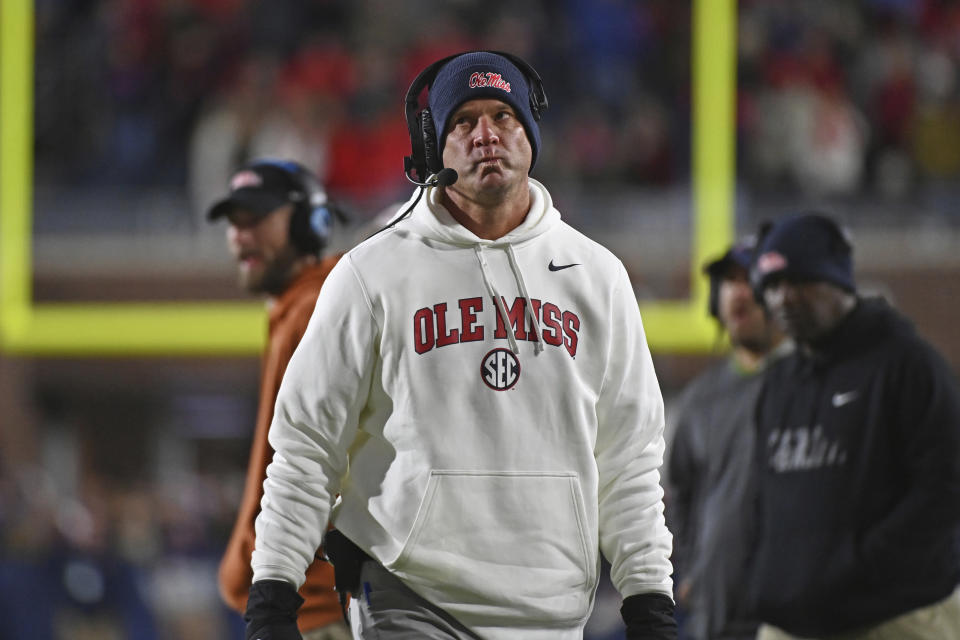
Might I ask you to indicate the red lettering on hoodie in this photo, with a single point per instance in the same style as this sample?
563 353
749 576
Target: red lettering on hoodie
468 318
423 330
571 328
444 338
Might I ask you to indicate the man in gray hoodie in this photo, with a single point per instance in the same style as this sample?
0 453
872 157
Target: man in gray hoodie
710 458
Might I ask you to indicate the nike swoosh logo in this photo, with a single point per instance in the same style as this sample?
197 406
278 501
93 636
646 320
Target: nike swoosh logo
558 267
840 399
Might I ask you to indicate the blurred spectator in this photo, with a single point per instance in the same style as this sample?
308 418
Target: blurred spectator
710 461
365 150
836 98
61 576
278 227
263 111
610 35
831 141
935 125
643 149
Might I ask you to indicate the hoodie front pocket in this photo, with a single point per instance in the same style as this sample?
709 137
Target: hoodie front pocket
513 542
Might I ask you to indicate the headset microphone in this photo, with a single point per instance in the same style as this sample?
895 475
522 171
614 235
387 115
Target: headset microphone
444 178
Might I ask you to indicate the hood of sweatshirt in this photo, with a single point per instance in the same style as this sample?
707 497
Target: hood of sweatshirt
431 220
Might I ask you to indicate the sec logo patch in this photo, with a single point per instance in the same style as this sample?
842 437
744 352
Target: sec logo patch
500 369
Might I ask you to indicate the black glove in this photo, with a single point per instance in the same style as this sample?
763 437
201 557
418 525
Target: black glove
272 611
649 616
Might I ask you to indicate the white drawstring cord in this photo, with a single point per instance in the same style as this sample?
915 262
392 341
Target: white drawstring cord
534 323
498 301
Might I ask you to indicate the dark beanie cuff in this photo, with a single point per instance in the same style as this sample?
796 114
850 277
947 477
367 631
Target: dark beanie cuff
806 247
837 277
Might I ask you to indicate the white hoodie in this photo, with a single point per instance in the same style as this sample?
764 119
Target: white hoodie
484 461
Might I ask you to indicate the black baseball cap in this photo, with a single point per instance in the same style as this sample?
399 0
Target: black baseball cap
260 187
738 255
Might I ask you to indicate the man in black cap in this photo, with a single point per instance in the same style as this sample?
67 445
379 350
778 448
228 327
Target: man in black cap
710 458
278 224
858 456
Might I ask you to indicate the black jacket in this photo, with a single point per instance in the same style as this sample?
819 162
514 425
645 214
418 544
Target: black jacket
858 462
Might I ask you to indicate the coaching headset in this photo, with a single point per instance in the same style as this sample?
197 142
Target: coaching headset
425 158
313 212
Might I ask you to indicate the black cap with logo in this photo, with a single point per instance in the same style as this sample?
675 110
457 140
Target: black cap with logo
260 187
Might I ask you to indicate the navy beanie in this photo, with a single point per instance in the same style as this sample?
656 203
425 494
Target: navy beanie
808 246
481 75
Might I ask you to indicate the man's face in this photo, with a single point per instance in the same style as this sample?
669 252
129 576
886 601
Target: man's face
261 246
805 309
488 147
738 311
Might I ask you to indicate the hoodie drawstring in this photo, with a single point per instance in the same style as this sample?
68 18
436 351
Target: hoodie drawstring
498 299
511 338
534 323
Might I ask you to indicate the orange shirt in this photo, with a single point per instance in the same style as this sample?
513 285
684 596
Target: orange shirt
288 321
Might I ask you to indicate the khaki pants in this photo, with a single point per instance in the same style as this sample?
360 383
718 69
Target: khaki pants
939 621
335 631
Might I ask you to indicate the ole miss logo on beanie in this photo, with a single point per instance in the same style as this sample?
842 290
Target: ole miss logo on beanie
807 247
488 79
476 75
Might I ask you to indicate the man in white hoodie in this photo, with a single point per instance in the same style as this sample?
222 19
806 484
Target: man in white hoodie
476 386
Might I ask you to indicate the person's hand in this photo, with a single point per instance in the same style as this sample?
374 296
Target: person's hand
683 592
649 616
272 611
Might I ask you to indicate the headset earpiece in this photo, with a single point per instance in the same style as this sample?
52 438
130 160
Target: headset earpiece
538 102
313 214
417 160
428 133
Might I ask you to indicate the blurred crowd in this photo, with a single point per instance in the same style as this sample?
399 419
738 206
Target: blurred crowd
104 560
115 506
179 92
850 97
839 98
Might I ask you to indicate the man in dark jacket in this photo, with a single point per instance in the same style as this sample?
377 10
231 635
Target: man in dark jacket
858 456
